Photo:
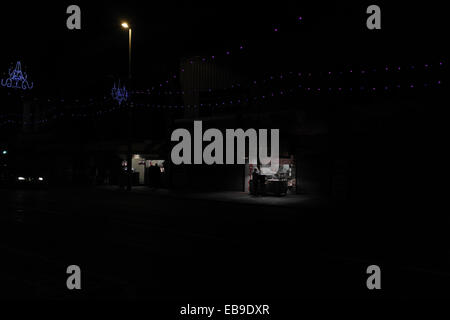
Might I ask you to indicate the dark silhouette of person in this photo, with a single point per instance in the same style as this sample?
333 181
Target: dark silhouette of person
262 184
255 181
154 175
157 176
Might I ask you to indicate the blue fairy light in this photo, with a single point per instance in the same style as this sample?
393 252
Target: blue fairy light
119 94
17 79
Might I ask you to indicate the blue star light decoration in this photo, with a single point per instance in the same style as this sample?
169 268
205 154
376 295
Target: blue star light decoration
119 94
17 79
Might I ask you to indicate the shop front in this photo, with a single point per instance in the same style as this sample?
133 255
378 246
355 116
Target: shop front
262 180
146 171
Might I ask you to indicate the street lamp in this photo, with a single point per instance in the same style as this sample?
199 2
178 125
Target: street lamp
125 25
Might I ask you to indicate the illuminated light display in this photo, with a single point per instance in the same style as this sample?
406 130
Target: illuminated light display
291 84
219 104
119 94
335 74
17 79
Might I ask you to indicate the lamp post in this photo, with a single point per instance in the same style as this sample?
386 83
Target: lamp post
125 25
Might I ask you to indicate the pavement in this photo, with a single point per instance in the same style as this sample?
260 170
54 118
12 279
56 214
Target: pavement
157 244
237 197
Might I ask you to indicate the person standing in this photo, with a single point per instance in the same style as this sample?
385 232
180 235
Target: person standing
255 182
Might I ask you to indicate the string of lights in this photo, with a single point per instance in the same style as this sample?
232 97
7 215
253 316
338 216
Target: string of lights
362 73
109 106
225 54
298 82
268 80
162 87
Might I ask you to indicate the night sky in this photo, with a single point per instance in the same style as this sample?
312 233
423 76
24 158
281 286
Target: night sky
66 62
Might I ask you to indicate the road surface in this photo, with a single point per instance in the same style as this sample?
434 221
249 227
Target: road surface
152 247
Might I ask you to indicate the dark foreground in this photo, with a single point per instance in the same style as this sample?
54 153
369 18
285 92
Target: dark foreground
141 246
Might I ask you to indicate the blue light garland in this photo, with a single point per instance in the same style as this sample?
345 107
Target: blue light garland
119 94
17 79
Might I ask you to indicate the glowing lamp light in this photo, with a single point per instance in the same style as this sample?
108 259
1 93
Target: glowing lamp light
125 25
21 178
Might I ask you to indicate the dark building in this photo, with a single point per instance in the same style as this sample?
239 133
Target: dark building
330 122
